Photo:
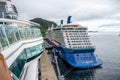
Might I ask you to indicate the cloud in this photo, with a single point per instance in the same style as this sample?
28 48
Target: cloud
111 25
81 10
85 9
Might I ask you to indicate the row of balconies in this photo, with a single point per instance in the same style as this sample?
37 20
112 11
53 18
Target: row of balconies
75 31
72 46
79 44
78 38
76 34
77 41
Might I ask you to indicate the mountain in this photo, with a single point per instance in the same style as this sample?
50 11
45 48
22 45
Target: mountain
44 24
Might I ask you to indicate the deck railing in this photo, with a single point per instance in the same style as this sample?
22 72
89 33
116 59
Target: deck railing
11 32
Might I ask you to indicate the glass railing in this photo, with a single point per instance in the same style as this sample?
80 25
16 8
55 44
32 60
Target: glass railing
10 35
12 31
25 56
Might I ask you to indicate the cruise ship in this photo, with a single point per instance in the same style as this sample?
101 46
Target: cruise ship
72 43
21 45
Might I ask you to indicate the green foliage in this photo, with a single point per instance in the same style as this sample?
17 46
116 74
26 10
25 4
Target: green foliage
44 24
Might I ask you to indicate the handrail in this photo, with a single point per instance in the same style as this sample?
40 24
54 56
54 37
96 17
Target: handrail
29 21
10 35
19 21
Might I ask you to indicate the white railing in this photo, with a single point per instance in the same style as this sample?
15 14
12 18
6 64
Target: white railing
19 22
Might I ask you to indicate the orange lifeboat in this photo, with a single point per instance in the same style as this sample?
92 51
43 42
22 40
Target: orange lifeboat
56 43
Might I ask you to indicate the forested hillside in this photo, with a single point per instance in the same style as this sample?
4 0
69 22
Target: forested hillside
44 24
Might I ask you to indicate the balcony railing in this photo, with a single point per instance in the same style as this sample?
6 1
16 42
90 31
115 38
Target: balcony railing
10 34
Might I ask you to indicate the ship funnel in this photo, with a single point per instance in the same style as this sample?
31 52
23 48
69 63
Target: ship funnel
8 0
61 22
69 19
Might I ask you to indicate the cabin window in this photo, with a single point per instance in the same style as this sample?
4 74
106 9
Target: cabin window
2 9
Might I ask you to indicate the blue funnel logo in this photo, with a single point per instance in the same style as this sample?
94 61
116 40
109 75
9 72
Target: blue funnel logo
69 19
61 22
8 0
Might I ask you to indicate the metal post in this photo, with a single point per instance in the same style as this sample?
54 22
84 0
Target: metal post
14 31
60 77
19 33
3 16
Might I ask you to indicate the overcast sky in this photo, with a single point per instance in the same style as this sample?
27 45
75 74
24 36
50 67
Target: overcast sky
96 14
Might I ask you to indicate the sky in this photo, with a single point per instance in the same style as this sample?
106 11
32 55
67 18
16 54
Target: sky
100 15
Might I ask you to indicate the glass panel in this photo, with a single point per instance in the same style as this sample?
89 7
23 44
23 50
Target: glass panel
37 49
40 47
39 32
18 65
22 33
33 51
32 31
29 35
36 33
25 56
25 32
3 38
29 55
10 34
16 31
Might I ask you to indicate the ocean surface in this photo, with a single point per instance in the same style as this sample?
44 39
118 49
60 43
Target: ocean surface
108 49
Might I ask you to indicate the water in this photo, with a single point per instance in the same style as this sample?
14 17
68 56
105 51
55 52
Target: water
108 49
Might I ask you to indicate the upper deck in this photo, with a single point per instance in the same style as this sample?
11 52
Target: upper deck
8 10
70 27
71 35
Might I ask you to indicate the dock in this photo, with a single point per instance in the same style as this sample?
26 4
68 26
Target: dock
47 70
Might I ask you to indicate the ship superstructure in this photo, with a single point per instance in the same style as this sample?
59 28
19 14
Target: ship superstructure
72 36
73 45
21 45
8 10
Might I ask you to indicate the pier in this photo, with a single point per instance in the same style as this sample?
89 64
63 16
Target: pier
47 70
